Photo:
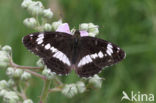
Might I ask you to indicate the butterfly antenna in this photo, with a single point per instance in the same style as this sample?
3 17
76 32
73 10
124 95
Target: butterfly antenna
61 15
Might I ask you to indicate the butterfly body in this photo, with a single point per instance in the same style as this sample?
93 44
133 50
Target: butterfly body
62 52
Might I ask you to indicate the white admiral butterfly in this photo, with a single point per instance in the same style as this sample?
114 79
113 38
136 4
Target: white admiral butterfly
62 52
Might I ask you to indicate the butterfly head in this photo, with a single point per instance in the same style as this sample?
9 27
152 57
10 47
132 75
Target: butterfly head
77 34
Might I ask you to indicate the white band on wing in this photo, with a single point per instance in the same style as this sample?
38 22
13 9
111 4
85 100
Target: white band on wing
58 54
89 58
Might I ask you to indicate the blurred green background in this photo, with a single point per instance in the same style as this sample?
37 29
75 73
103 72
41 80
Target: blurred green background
129 23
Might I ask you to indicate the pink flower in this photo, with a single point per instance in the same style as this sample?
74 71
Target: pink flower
65 28
83 33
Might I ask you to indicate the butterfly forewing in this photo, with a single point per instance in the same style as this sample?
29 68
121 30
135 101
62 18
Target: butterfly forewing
53 48
96 54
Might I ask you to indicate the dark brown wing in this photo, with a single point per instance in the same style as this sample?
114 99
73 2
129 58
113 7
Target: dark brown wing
53 47
96 54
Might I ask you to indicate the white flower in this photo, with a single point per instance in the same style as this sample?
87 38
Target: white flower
3 84
14 72
70 90
10 71
4 59
11 82
93 28
10 97
3 64
47 27
56 24
25 76
7 48
2 92
92 34
90 28
96 81
18 72
30 22
48 13
28 101
36 8
47 72
83 26
81 86
40 63
26 3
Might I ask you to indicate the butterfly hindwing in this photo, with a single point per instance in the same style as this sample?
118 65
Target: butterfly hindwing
50 47
96 54
57 66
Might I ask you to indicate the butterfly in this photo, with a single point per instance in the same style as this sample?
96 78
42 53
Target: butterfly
62 52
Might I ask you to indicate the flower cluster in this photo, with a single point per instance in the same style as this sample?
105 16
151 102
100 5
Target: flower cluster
71 90
8 88
9 94
37 10
18 73
90 28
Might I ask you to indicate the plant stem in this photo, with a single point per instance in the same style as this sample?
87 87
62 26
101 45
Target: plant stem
14 65
22 67
36 74
58 81
56 89
45 91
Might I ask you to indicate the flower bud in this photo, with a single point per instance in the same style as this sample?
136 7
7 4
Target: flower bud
63 28
83 26
56 24
18 73
28 101
7 48
40 63
47 72
30 22
25 76
10 71
11 97
48 13
36 8
3 64
47 27
11 82
84 33
91 25
3 84
4 56
96 81
14 72
91 34
93 28
2 92
70 90
80 86
26 3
